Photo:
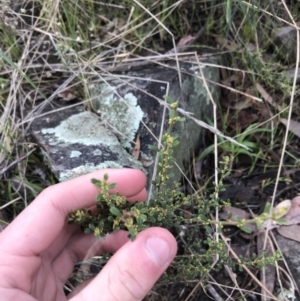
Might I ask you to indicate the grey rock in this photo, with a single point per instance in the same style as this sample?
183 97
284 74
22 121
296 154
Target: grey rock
291 73
290 250
285 38
76 141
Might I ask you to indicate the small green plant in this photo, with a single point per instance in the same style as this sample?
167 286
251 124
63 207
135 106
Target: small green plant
186 215
251 148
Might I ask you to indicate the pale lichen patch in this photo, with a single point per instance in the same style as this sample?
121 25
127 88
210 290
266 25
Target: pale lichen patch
122 114
82 128
97 152
75 154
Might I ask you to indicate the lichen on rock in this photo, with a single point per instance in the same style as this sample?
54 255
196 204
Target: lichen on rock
77 143
82 128
122 114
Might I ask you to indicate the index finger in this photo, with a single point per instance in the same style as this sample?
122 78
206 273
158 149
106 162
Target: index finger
39 224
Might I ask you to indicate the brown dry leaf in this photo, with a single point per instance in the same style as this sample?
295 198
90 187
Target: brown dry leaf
237 103
291 232
224 43
227 80
267 97
268 273
293 216
185 40
294 126
67 95
242 104
232 213
136 151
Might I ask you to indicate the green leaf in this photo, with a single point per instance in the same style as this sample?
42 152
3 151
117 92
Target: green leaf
228 11
208 229
259 223
99 198
250 144
267 208
168 99
246 229
88 231
132 234
105 177
153 148
115 211
142 218
238 219
206 152
96 182
112 186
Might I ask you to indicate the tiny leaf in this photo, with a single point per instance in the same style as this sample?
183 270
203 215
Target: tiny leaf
246 229
153 148
115 211
112 186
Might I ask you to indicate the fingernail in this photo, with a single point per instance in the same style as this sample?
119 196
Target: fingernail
158 250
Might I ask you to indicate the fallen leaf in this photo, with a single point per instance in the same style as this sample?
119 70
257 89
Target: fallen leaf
294 126
136 151
224 43
227 80
291 232
185 40
267 97
239 105
67 95
231 213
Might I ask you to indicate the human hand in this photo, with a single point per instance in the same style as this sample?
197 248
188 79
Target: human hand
38 249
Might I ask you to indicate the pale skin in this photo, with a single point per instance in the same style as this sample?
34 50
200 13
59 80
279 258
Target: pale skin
38 249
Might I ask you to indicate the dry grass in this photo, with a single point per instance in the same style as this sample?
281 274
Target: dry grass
50 47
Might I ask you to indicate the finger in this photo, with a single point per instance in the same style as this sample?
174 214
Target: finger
35 229
140 197
84 246
134 269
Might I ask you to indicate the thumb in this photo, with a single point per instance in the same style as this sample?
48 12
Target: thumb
133 270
